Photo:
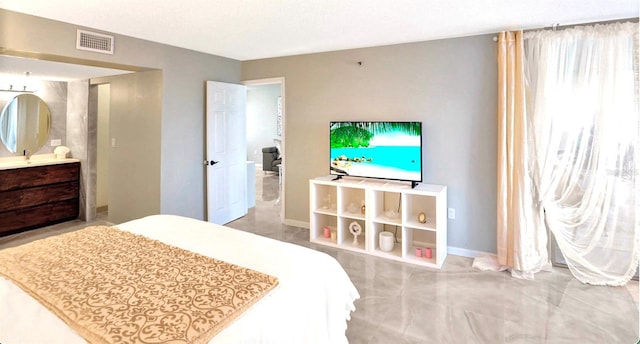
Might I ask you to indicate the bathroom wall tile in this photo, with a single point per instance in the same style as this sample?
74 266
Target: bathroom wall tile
77 139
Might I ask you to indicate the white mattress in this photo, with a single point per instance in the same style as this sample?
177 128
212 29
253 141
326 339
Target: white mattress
311 304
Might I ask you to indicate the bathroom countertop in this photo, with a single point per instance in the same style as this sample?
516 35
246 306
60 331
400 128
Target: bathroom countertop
9 163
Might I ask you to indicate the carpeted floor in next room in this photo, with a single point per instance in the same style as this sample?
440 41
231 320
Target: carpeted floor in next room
403 303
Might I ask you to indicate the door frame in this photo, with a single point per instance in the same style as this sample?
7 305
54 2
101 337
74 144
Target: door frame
280 81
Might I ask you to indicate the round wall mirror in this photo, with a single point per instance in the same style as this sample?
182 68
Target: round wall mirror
24 124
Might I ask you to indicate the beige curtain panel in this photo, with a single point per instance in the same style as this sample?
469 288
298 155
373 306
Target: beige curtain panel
521 246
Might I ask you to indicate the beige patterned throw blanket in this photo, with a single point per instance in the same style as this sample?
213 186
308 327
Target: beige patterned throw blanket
112 286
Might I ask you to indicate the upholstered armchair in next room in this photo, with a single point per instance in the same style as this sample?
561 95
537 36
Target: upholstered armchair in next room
271 159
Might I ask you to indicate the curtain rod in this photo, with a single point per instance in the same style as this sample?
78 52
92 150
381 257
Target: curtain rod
557 26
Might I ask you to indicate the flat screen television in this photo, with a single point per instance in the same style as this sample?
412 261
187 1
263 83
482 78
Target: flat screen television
383 150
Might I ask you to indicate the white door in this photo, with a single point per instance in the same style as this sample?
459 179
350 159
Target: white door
226 152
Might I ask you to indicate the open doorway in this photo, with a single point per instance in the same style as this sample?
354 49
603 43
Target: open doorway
265 130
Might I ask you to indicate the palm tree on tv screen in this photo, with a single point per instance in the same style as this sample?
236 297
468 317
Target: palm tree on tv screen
358 134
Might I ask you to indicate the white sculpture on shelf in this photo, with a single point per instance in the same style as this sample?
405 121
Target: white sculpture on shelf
356 230
327 202
392 214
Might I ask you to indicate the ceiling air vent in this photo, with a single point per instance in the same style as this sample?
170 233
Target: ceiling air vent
93 41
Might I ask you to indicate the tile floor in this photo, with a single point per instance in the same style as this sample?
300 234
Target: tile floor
402 303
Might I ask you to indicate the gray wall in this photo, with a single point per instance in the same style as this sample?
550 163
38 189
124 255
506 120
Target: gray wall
103 143
180 135
449 85
262 108
134 123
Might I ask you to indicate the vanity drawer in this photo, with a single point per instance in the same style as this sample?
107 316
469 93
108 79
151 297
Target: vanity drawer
37 216
29 197
37 196
38 175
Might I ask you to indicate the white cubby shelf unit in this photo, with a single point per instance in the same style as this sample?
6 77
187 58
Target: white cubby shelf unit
388 206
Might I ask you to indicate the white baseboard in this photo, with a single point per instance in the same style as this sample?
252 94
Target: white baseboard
296 223
463 252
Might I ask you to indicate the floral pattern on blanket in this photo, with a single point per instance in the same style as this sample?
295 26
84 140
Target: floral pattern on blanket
114 286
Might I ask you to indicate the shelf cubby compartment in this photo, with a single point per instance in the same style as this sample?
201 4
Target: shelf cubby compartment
389 206
324 199
375 240
350 202
384 203
416 204
318 223
345 238
419 238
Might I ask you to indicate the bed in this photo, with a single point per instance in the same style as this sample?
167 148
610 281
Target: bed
311 303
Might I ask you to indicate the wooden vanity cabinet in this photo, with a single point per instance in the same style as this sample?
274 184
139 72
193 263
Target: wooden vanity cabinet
38 196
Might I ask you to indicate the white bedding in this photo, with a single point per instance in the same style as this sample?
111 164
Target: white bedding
311 304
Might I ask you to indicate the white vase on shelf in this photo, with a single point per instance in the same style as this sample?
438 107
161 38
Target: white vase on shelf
386 241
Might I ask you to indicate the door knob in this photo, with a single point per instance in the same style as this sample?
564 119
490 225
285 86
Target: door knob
212 162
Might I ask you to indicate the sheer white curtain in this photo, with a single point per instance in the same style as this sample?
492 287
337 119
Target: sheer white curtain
581 90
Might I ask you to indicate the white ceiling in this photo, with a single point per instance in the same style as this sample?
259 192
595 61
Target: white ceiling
253 29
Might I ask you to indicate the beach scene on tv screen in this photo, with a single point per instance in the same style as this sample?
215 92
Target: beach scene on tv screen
386 150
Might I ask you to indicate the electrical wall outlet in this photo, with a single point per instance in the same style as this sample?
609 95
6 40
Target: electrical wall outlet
452 213
56 142
113 142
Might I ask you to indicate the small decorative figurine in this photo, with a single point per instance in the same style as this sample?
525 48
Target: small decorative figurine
422 218
356 230
363 208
